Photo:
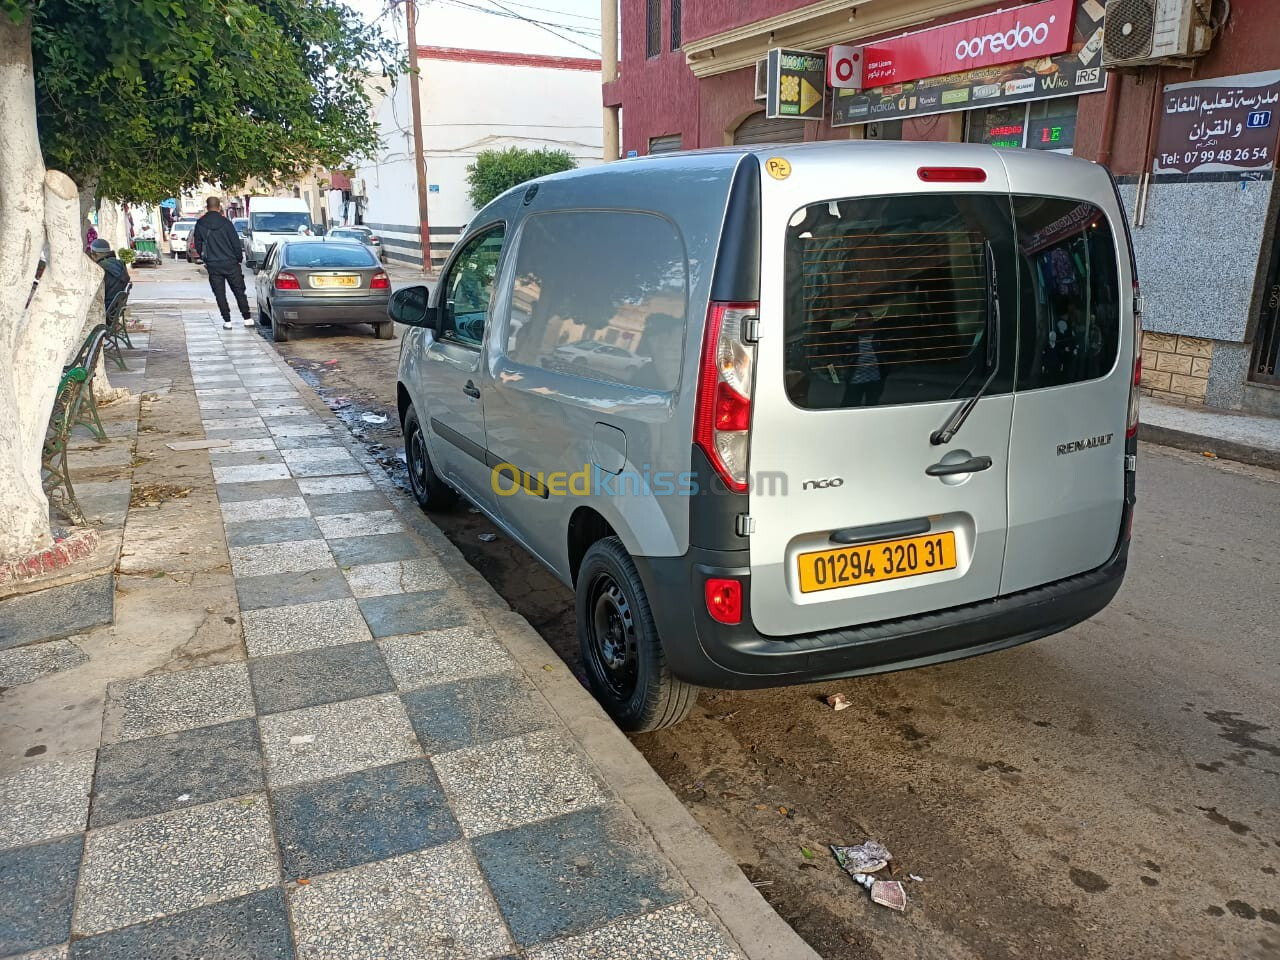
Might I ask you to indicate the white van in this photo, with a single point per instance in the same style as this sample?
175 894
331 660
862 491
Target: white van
272 220
791 413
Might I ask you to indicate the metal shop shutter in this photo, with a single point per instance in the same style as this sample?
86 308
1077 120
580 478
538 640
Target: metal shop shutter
758 128
667 144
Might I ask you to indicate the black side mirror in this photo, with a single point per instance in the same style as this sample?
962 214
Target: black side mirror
412 307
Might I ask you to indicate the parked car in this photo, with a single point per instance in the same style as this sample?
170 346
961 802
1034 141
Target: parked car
274 220
312 281
362 235
180 237
889 419
589 353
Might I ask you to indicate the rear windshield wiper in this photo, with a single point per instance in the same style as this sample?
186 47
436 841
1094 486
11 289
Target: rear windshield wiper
961 413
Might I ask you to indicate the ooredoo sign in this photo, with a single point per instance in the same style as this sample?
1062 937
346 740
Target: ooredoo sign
1019 33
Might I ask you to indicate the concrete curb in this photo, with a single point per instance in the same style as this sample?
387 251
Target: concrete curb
758 931
1226 449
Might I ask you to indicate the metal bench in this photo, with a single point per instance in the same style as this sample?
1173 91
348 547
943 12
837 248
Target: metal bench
56 477
118 327
86 358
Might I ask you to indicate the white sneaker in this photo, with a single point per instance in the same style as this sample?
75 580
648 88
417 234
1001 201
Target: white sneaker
226 324
248 322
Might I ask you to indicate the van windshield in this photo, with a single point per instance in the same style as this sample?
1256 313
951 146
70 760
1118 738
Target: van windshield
279 221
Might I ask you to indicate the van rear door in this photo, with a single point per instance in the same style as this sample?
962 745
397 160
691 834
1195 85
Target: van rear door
1075 371
890 305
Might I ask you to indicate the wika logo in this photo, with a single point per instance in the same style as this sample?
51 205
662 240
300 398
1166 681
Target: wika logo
1017 37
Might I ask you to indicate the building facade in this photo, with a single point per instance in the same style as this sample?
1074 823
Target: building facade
472 100
1191 142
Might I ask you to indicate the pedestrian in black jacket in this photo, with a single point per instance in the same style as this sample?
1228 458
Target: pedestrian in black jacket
117 274
218 245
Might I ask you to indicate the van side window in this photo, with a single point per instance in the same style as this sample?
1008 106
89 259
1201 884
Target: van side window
469 288
891 300
1070 316
600 294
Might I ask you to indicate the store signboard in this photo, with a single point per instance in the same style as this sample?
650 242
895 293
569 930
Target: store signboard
1075 71
797 85
1220 125
1020 33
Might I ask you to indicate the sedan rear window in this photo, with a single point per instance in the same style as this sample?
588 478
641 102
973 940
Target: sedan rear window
328 255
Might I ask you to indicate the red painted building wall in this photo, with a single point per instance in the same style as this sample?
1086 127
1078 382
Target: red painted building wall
660 95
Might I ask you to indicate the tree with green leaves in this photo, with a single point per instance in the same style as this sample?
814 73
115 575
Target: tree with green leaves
132 101
497 171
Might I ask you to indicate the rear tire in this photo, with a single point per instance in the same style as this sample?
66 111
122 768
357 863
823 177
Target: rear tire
279 332
429 489
386 330
621 650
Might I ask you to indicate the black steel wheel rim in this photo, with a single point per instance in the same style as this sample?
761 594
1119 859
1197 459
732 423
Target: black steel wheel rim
418 462
611 631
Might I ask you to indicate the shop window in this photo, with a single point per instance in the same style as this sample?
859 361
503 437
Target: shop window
653 27
1038 125
884 130
676 41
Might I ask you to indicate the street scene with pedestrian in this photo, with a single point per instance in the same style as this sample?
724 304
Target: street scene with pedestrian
639 480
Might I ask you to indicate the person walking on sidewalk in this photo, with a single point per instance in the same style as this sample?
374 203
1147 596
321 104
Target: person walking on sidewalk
218 245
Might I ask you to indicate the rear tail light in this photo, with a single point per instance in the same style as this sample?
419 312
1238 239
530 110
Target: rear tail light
724 600
722 419
287 281
374 240
952 174
380 281
1131 426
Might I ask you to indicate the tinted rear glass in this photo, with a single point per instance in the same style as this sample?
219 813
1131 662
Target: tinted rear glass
327 255
891 300
601 295
1070 285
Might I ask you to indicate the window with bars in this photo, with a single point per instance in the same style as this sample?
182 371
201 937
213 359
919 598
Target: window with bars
653 43
893 300
676 40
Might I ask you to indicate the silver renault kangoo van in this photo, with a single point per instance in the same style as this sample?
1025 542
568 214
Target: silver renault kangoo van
790 413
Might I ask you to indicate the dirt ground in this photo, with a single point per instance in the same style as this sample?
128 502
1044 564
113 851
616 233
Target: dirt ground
1110 792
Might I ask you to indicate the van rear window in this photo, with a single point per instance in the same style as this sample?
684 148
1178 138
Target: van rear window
890 300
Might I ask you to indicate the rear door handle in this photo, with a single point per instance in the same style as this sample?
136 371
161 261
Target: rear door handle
471 390
972 465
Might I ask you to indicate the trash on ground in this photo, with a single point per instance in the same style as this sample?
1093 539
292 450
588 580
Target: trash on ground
762 883
866 857
373 418
184 798
788 812
1210 454
838 701
302 738
330 363
889 893
807 853
917 879
488 537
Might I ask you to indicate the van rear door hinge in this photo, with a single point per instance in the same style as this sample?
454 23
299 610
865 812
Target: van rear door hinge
743 525
751 330
1130 463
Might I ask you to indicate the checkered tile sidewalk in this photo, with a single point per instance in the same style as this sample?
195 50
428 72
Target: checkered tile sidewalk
377 780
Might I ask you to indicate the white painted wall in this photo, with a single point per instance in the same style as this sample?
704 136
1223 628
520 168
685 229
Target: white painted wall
466 108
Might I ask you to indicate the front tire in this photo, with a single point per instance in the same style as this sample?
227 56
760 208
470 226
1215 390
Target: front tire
429 488
621 651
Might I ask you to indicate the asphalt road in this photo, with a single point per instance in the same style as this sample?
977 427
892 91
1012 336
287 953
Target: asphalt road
1112 792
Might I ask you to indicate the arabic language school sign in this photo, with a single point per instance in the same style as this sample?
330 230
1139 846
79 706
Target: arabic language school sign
1075 70
797 84
1220 125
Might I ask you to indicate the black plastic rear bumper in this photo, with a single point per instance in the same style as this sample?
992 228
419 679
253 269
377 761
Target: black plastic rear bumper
699 650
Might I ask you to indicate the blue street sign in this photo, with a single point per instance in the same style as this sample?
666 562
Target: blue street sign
1259 118
433 188
632 153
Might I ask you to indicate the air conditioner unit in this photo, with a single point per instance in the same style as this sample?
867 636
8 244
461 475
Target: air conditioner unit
1149 31
357 186
762 78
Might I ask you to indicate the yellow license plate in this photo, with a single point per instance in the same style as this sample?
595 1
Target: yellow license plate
335 281
873 562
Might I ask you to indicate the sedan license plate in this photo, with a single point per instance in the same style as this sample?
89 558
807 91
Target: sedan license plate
874 562
341 281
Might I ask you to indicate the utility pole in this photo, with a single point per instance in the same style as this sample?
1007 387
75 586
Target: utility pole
609 73
420 164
